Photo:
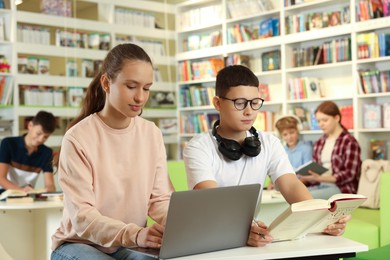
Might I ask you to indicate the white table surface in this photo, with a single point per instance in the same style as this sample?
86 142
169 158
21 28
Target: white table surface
32 205
32 224
311 245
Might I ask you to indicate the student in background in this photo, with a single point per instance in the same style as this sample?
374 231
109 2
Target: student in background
336 150
299 152
234 153
112 166
24 158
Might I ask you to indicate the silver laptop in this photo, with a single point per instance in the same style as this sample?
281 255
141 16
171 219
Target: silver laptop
200 221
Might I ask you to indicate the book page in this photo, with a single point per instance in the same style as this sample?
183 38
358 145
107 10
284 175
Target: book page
12 193
20 193
292 225
346 196
341 208
310 205
37 191
311 216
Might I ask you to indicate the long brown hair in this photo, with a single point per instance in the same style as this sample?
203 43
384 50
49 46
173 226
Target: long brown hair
95 96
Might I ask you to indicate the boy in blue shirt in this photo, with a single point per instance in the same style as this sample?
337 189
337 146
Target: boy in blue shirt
298 151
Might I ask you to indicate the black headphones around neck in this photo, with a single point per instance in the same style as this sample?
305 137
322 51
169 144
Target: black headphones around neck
233 150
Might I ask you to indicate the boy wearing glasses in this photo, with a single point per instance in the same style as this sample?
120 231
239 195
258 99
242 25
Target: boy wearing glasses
234 153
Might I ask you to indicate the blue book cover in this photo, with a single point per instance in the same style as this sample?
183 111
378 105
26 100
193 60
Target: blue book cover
313 121
387 44
265 29
275 26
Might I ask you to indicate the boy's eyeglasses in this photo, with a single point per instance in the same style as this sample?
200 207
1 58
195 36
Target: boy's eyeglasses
242 103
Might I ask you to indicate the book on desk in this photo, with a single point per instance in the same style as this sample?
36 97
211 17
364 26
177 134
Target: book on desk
20 196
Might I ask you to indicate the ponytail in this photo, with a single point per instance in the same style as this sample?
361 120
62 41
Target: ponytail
93 102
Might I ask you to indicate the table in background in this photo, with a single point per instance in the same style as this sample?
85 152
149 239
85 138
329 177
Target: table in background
26 228
272 204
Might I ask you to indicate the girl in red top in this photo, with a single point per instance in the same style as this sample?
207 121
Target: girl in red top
336 150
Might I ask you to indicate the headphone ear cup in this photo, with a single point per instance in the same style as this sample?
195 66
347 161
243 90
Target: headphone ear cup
230 148
233 150
251 146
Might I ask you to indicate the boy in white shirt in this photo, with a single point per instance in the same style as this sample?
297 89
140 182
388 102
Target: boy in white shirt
234 153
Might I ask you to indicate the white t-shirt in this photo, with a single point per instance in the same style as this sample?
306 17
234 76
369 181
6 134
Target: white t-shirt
326 155
204 162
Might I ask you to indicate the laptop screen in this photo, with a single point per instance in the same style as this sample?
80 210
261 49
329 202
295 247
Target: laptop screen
208 220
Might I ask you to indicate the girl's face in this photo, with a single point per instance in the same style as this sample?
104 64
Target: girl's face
327 123
129 92
290 136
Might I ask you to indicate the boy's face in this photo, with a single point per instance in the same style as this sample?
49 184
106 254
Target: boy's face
290 136
231 118
36 136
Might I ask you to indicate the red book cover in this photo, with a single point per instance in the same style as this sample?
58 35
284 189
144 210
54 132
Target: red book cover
347 116
264 92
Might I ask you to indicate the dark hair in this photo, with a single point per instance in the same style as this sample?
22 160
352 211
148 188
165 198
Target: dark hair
46 120
113 63
234 76
329 108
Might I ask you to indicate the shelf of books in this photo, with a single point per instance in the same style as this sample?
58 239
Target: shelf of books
303 51
55 48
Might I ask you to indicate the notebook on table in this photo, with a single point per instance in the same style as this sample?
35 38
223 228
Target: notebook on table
206 220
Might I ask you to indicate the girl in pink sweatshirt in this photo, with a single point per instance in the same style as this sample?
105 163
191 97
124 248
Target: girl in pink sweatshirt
112 166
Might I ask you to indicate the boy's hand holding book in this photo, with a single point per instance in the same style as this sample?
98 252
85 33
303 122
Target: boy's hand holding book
338 228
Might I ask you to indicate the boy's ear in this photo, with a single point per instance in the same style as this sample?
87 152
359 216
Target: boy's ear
217 103
30 125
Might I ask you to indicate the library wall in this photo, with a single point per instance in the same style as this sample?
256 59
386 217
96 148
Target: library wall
303 51
53 53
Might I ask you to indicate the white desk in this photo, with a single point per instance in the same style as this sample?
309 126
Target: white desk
314 246
26 229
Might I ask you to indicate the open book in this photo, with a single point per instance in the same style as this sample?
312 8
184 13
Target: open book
312 216
11 195
312 166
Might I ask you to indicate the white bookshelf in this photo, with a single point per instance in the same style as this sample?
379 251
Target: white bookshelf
340 80
89 16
